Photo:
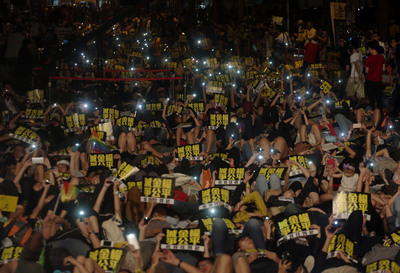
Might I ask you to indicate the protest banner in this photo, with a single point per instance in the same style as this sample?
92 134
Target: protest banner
207 224
295 226
340 243
24 134
214 197
182 239
159 189
230 176
190 152
8 202
217 120
107 258
106 160
9 254
344 203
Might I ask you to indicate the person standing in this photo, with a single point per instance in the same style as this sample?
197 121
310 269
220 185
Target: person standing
355 84
374 65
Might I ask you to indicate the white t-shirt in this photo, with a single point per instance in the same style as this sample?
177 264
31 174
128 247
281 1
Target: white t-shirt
355 57
348 183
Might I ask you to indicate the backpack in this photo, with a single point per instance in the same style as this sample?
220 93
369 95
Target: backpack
19 230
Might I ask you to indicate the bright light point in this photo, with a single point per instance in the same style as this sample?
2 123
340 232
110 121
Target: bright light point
81 212
76 64
166 60
212 210
233 85
210 75
310 162
270 62
148 58
204 62
204 83
82 54
85 105
199 42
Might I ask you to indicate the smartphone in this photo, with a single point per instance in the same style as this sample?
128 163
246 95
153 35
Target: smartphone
81 215
132 240
37 160
335 225
146 220
107 243
48 181
356 125
266 217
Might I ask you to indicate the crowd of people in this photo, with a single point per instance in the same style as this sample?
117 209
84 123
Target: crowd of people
315 156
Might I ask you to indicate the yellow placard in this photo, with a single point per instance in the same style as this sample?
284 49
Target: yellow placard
8 203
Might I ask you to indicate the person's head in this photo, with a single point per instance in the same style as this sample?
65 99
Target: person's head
349 169
309 25
19 152
206 265
376 36
373 47
159 211
63 166
245 243
341 42
19 211
393 43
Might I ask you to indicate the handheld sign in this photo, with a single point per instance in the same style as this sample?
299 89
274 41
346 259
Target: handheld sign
75 122
106 160
295 226
220 99
383 266
344 203
24 134
160 189
182 239
132 184
340 243
207 223
9 254
267 172
301 159
214 87
33 113
124 171
197 107
154 106
214 197
326 87
217 120
8 202
107 258
36 96
230 176
190 152
125 121
110 113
